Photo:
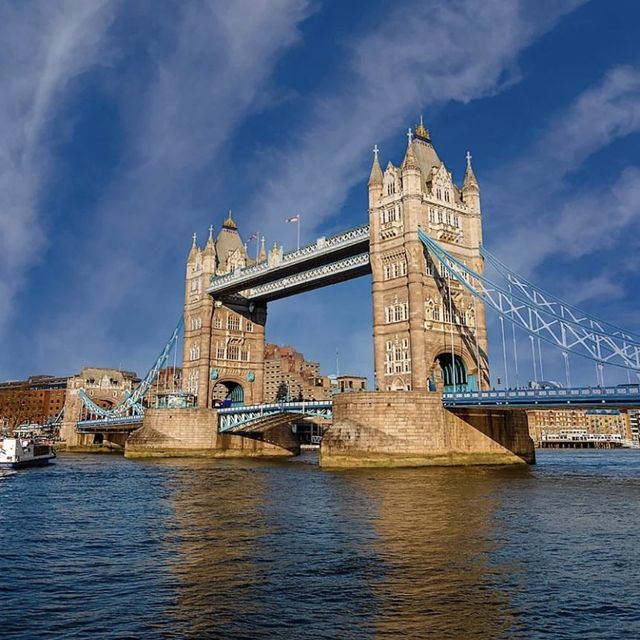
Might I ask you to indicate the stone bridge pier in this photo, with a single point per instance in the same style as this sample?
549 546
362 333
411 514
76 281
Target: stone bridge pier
194 432
412 428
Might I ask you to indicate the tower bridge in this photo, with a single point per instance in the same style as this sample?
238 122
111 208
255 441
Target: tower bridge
433 402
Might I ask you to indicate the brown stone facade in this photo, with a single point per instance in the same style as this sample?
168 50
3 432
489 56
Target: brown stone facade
412 428
106 387
223 341
424 322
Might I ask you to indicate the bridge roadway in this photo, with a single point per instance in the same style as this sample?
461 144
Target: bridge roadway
326 261
111 425
248 418
622 397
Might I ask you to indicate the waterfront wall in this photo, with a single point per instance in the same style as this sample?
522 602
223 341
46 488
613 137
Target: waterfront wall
193 432
412 428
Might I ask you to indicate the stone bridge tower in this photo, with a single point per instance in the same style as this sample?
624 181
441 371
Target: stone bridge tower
427 329
223 340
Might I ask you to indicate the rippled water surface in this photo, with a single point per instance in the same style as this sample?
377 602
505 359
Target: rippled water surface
100 546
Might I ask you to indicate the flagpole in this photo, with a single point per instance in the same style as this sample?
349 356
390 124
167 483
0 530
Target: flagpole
257 246
299 231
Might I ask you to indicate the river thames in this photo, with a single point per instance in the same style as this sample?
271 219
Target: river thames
100 546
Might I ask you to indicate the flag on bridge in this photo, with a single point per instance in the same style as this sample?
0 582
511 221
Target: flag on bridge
295 218
253 236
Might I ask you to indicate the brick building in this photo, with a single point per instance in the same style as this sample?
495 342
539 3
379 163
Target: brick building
556 422
302 377
35 399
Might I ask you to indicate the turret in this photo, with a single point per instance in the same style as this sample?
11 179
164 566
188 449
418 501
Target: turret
229 247
470 188
275 255
375 179
209 254
262 256
471 197
193 252
411 176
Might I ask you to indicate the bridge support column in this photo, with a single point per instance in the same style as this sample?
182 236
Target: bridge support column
412 428
192 433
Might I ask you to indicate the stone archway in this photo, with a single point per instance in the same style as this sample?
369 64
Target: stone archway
453 372
227 390
398 385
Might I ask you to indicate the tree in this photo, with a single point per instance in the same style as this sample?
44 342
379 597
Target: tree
282 392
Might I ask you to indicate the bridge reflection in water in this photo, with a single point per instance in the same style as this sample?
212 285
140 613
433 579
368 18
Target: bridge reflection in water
283 550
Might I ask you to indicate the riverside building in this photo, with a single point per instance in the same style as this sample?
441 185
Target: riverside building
580 425
36 399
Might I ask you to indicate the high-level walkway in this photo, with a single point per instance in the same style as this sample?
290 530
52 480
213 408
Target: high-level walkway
324 262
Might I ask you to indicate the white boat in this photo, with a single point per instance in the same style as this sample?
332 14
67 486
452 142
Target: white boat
25 452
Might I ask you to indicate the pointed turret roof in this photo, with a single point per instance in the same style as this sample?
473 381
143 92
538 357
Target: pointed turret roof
262 256
228 241
375 177
229 223
210 247
410 161
470 181
426 155
194 249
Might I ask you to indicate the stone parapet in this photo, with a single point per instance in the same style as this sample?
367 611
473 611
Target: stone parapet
412 428
192 433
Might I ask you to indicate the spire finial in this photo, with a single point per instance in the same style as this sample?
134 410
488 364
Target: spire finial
195 237
375 177
409 135
210 231
229 223
470 181
421 131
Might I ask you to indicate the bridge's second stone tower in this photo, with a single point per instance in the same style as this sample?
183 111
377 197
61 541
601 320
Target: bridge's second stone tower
427 329
223 342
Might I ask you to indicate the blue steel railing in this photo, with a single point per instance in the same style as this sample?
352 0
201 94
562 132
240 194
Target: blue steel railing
628 395
232 417
108 423
322 246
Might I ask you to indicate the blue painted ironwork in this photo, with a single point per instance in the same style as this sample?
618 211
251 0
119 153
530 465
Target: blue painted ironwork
132 404
549 322
234 417
620 396
353 266
545 300
322 249
110 424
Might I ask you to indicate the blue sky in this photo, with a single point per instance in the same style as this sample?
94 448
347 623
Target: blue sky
126 126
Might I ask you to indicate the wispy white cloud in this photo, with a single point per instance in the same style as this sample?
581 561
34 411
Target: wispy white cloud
210 71
560 220
541 220
423 55
44 46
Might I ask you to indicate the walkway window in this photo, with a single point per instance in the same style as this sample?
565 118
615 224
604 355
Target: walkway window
397 357
397 312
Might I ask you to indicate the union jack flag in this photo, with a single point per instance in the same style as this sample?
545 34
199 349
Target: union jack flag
295 218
